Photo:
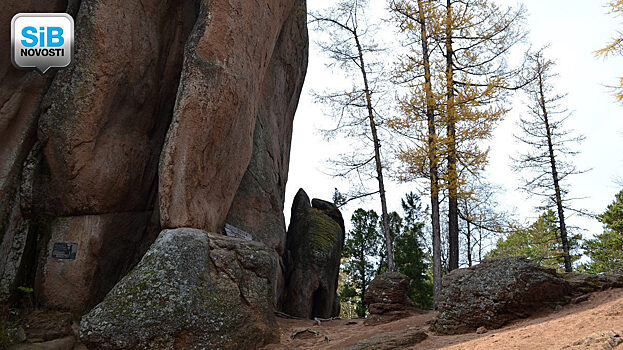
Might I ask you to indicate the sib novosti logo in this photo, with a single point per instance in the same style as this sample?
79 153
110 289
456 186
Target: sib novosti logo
42 40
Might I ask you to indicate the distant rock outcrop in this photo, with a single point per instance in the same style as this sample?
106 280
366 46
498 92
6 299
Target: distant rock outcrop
313 250
582 283
191 290
387 298
503 289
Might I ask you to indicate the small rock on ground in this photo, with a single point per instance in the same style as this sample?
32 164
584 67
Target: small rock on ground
392 340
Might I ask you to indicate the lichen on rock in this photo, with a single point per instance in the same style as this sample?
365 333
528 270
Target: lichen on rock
191 289
313 250
495 292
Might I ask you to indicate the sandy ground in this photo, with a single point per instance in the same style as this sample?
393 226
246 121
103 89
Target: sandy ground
602 313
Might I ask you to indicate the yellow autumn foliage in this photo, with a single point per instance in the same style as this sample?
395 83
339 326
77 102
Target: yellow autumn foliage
615 47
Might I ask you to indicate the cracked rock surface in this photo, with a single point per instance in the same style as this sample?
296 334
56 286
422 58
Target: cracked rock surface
495 292
500 290
191 290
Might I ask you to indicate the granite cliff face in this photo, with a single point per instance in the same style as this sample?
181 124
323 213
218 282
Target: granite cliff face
175 114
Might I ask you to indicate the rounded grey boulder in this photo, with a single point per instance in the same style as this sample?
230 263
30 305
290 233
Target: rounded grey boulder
191 290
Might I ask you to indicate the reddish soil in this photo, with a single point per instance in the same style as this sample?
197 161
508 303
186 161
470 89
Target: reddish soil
587 325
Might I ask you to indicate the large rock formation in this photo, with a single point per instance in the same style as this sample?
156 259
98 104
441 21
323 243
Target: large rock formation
21 93
257 207
314 246
93 160
175 113
210 141
104 118
191 290
101 263
101 129
495 292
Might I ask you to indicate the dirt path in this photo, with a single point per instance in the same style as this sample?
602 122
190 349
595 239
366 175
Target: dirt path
587 321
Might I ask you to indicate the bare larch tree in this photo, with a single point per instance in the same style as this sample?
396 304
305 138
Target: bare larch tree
349 46
545 162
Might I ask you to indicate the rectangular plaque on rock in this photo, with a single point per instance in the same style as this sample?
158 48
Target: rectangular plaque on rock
62 250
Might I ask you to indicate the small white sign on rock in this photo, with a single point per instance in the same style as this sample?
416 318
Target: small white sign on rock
233 231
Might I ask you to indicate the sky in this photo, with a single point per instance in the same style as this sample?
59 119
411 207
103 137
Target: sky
574 30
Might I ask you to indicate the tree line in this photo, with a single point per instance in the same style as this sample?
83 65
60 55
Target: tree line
452 84
365 255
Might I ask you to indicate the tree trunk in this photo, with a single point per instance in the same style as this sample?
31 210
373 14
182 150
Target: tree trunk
432 158
468 235
558 195
480 245
362 271
453 213
377 159
469 244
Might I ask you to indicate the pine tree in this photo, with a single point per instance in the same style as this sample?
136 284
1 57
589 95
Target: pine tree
395 228
410 258
414 18
612 218
458 80
361 246
606 249
477 36
539 242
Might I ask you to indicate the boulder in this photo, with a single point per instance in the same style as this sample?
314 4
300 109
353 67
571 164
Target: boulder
495 292
191 290
257 207
314 247
388 288
602 340
387 298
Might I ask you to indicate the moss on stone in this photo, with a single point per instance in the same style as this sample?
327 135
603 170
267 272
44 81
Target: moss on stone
176 287
323 231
